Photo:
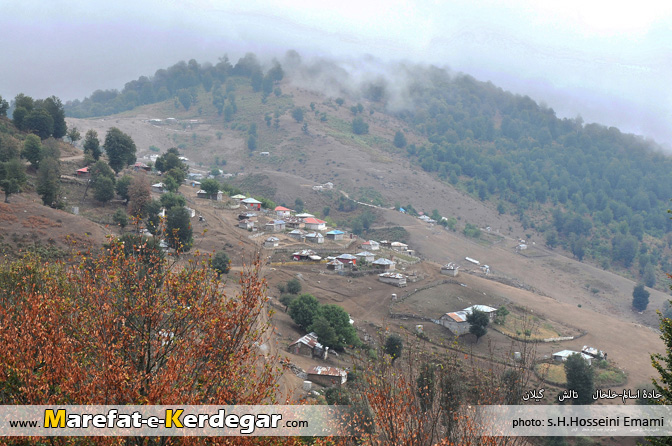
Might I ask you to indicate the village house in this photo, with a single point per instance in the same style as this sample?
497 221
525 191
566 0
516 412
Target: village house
335 235
246 224
275 226
456 322
298 234
141 167
334 265
393 279
248 216
592 351
384 264
158 187
306 254
282 212
399 247
83 172
370 245
491 312
238 197
315 224
327 376
366 256
251 203
304 215
315 237
294 222
562 356
450 269
203 194
272 242
347 259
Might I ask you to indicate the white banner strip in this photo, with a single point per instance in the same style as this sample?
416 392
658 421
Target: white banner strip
173 420
569 421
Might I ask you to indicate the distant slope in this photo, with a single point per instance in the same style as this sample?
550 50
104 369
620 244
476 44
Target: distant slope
598 193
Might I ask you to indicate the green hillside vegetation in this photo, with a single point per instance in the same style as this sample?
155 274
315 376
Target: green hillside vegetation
590 189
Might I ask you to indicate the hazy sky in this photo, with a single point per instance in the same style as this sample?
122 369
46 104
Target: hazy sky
610 61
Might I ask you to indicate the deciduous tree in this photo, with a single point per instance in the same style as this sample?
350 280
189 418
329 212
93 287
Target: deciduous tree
179 233
120 149
92 144
303 310
139 194
359 127
39 122
221 263
122 326
393 346
399 139
49 181
32 150
12 177
121 188
580 378
640 298
103 189
293 286
478 323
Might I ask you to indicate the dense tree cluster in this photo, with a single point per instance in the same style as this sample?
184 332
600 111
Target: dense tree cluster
330 322
604 186
181 82
43 117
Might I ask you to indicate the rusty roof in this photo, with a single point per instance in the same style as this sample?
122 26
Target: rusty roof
325 371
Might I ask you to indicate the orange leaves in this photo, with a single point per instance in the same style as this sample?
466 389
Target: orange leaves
124 327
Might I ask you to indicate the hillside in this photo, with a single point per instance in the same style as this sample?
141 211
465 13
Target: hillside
281 144
589 189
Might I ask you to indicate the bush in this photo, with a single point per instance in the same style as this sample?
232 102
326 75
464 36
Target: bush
120 218
359 127
294 286
221 263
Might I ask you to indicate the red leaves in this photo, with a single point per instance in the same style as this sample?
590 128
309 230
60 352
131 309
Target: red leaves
121 328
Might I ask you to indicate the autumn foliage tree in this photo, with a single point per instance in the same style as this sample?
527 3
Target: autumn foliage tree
427 399
124 326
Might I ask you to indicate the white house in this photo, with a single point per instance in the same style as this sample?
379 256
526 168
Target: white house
272 242
298 234
491 312
366 256
562 356
456 322
246 224
371 245
315 237
450 269
282 212
393 279
384 264
251 203
275 226
335 235
315 224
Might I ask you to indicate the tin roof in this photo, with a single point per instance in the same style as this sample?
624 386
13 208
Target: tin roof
310 340
326 371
